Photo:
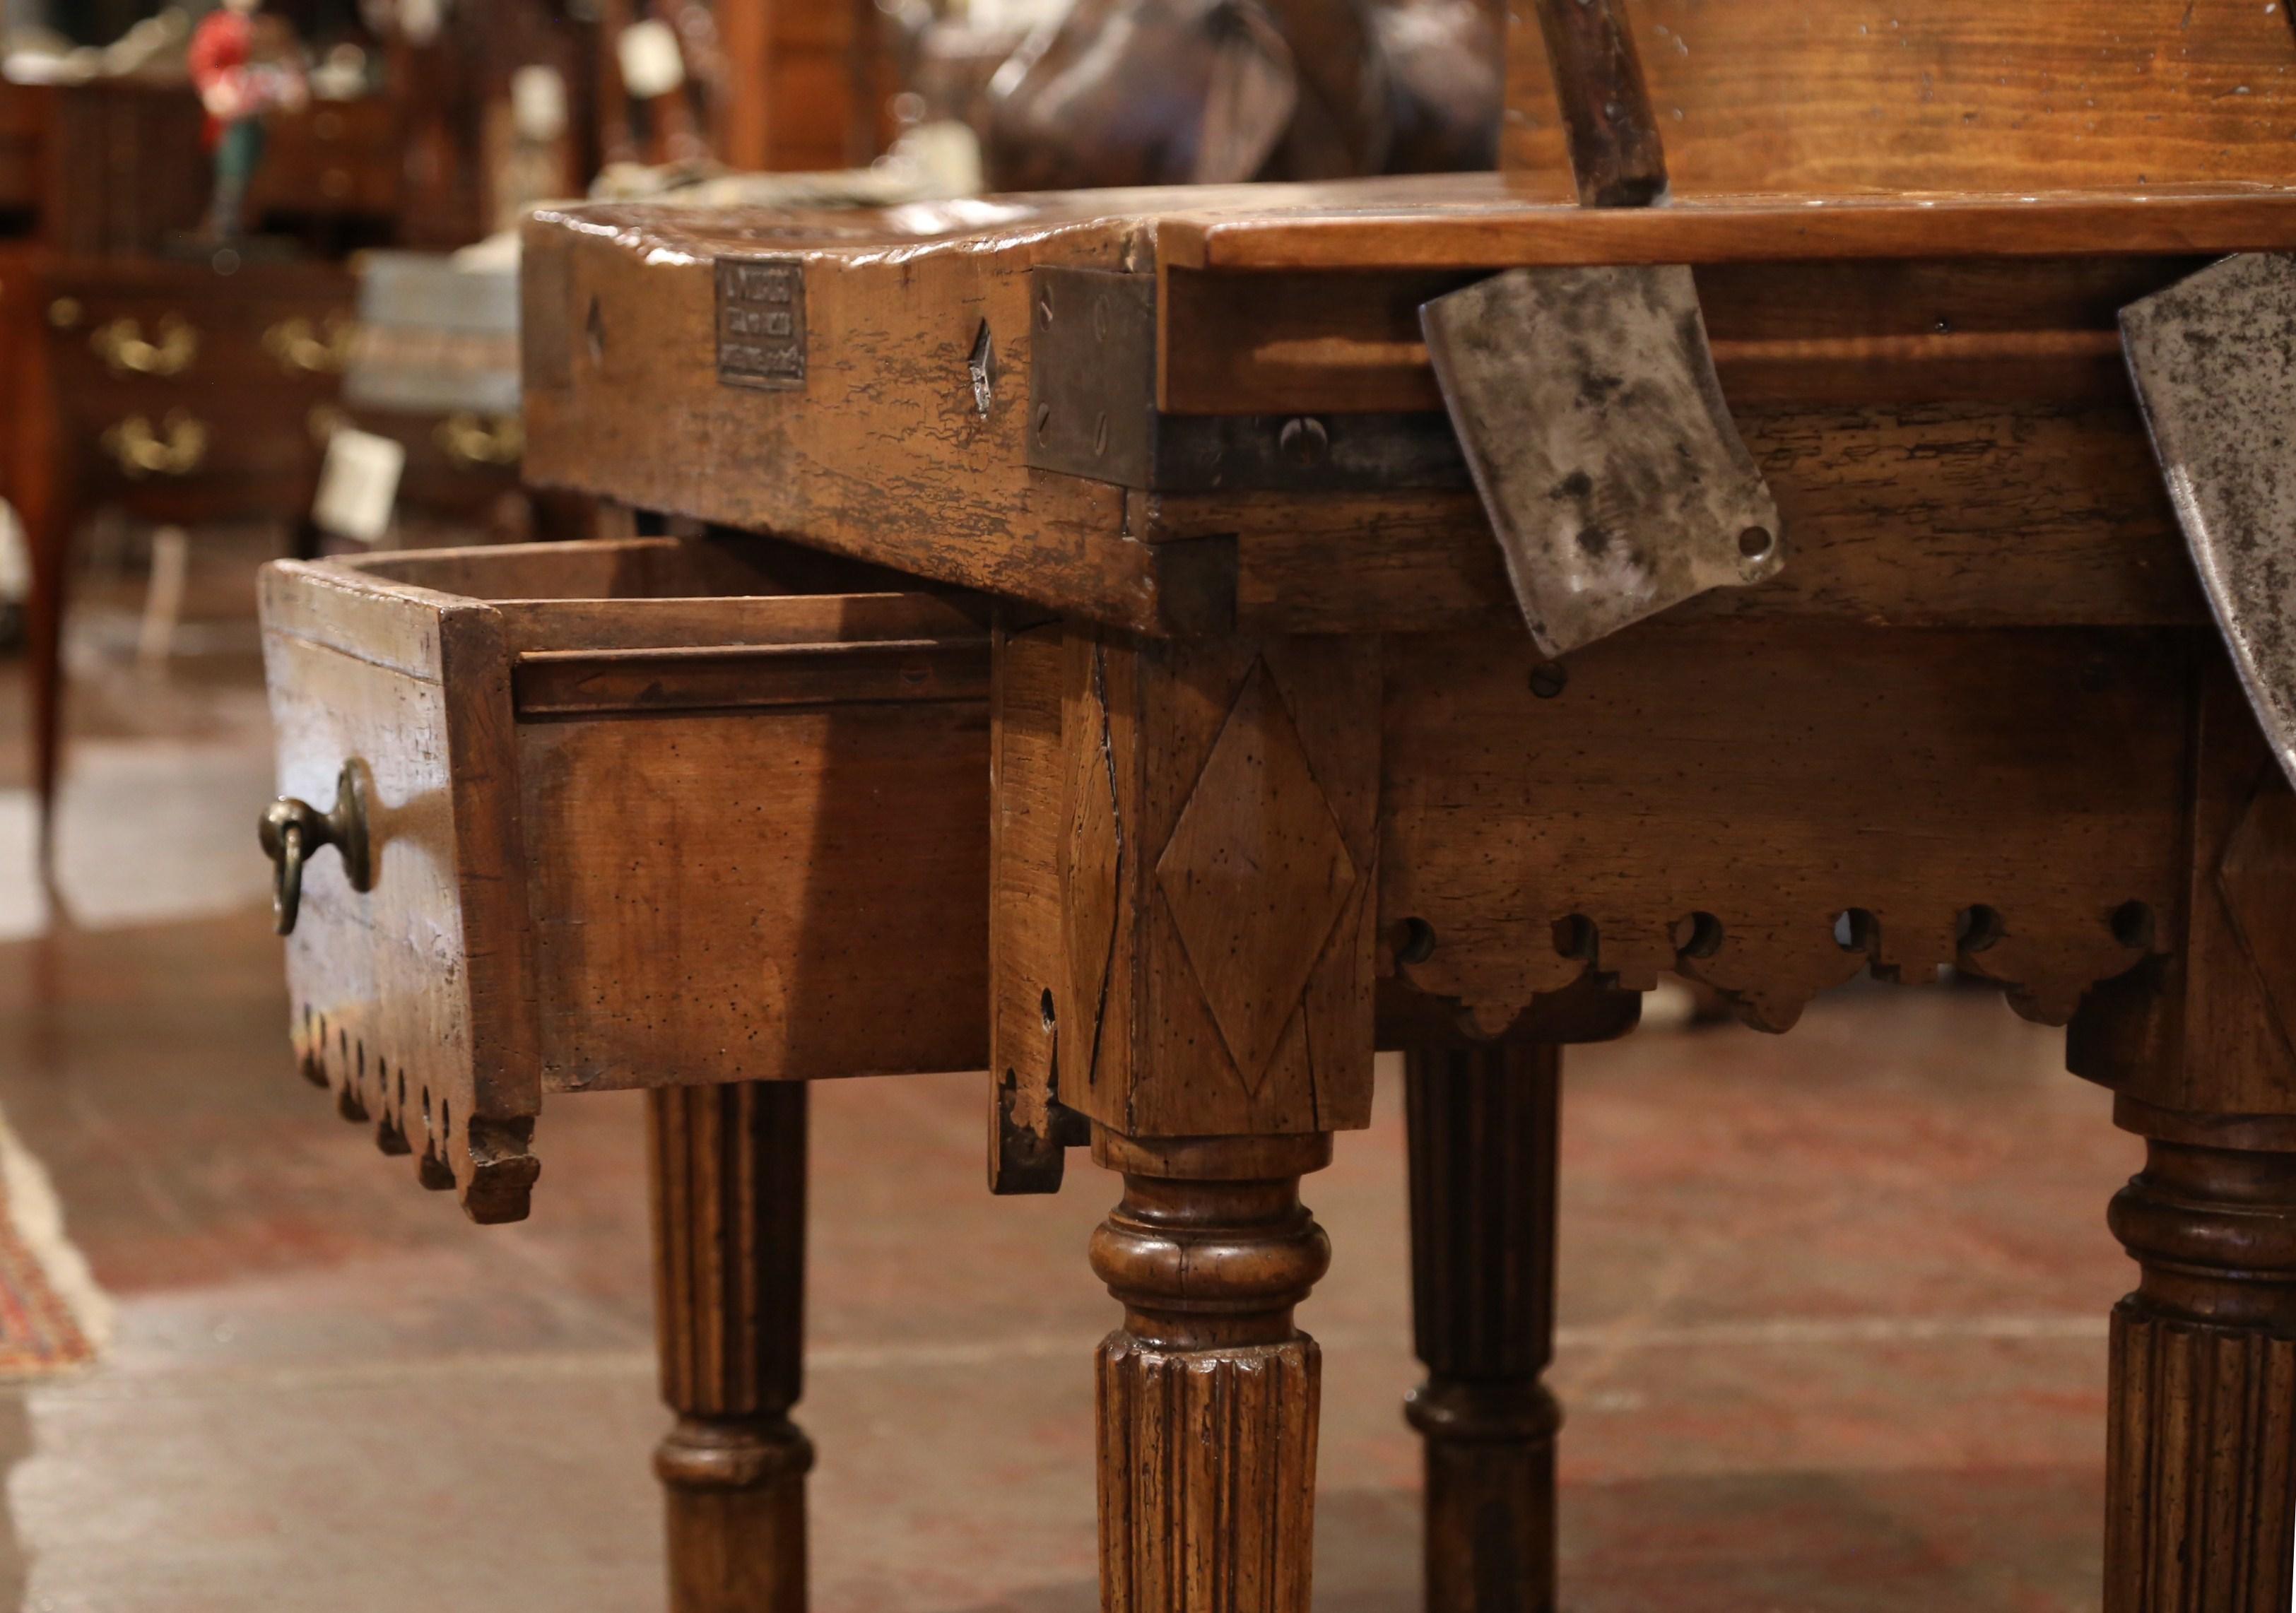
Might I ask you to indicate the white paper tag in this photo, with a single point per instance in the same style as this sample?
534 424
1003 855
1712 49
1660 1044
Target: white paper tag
359 485
652 63
537 103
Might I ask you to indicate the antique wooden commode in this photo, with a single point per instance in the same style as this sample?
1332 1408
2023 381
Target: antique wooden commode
1078 653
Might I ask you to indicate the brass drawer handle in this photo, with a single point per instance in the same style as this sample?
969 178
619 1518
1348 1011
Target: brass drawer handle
122 347
470 442
140 452
303 348
292 831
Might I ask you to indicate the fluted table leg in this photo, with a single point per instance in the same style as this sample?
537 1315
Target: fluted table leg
2201 1458
1484 1122
1208 1393
729 1251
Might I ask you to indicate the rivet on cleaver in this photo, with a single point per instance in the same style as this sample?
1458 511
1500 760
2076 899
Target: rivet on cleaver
1587 405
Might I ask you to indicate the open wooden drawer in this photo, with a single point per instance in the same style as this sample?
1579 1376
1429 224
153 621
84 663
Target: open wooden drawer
636 813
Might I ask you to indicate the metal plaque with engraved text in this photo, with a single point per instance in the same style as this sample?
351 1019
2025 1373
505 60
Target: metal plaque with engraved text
761 321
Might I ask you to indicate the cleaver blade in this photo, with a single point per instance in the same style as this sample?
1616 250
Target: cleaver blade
2213 358
1586 402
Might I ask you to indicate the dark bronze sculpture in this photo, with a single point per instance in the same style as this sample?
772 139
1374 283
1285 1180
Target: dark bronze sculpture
1163 92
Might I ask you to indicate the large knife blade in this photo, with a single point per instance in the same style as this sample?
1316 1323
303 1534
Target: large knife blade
2213 358
1587 405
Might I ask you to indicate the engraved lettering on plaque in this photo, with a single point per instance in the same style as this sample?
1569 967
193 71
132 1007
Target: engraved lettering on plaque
761 322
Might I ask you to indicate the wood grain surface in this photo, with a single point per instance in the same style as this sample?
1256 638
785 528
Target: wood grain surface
2210 1031
2201 1454
1771 810
727 1174
415 1000
1832 95
1208 1393
1832 334
1492 222
1218 873
1951 372
1976 514
1029 1128
867 450
764 896
1484 1125
598 819
1616 159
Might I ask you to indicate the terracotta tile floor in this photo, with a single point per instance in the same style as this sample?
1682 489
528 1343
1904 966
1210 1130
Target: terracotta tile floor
1833 1305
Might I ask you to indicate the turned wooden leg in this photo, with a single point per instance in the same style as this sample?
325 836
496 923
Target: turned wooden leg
729 1273
1208 1393
2202 1455
1484 1122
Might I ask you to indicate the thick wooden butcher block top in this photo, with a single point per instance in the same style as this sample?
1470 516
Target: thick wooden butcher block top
1203 410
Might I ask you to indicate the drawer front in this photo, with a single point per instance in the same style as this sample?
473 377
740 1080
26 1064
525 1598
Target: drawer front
455 464
202 462
192 393
763 856
761 895
199 343
665 833
329 158
407 998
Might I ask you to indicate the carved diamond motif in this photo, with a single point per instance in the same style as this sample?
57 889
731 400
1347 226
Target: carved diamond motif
2258 881
1256 875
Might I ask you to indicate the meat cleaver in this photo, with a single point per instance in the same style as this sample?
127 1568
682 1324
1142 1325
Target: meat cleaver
2214 361
1584 400
1586 405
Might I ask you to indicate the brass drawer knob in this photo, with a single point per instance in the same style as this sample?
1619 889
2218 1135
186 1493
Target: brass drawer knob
139 451
470 443
304 349
292 831
125 350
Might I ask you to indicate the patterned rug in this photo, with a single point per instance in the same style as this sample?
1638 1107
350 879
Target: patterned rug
53 1317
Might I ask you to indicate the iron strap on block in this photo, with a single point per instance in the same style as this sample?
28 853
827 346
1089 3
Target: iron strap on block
1091 412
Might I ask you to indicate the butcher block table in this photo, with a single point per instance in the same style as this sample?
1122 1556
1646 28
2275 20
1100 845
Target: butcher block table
1068 643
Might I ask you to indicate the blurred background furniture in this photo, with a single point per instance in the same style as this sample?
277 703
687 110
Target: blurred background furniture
182 385
23 136
434 369
180 395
